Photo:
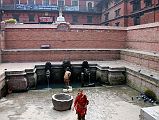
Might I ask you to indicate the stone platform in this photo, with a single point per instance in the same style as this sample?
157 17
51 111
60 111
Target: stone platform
138 77
105 103
149 113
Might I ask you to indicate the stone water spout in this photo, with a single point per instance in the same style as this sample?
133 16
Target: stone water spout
48 71
86 75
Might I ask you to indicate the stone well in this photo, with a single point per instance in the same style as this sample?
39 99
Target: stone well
62 101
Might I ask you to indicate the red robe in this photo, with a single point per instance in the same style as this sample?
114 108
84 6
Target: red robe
80 104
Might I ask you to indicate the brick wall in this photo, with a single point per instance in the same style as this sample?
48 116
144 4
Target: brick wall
146 59
0 46
2 39
147 18
143 37
59 55
92 39
33 38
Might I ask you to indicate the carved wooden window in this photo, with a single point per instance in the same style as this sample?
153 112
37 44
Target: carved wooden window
30 2
117 12
17 2
136 5
74 19
89 19
137 20
74 2
106 16
148 3
61 3
31 18
45 2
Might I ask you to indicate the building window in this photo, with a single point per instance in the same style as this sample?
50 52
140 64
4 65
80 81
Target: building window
16 16
117 23
148 3
31 18
116 1
136 5
61 3
74 19
89 19
90 6
17 2
74 2
106 16
106 24
45 2
117 12
106 5
30 2
137 20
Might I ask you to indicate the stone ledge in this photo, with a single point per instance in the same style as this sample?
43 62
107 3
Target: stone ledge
150 76
144 26
54 26
149 113
93 27
154 56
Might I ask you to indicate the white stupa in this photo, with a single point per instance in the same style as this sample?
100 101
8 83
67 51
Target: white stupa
60 18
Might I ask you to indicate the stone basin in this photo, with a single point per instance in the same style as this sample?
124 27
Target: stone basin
62 101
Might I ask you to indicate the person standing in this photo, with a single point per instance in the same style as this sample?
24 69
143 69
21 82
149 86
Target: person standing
80 105
67 76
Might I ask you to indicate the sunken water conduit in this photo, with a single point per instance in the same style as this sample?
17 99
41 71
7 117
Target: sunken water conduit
52 76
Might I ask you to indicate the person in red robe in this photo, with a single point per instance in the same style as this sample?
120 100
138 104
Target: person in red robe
80 105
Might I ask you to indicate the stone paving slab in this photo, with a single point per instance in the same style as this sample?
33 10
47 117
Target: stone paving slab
149 113
105 103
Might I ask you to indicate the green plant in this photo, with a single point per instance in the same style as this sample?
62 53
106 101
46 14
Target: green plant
150 94
10 21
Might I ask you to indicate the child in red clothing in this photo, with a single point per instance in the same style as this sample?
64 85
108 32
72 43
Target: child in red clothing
80 105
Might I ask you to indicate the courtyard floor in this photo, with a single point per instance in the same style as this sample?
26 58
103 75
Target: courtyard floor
105 103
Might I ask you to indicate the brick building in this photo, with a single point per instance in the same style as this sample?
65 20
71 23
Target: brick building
36 11
97 12
129 12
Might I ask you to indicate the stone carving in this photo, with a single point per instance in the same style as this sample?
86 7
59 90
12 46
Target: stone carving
63 27
85 72
48 72
60 18
85 75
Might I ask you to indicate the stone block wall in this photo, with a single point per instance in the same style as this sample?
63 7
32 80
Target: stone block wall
142 82
2 85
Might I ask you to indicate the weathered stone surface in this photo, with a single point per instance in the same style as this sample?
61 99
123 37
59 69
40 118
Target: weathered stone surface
105 103
149 113
16 81
116 78
62 101
102 75
31 78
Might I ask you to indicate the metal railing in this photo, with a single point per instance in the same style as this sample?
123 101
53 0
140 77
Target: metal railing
48 8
